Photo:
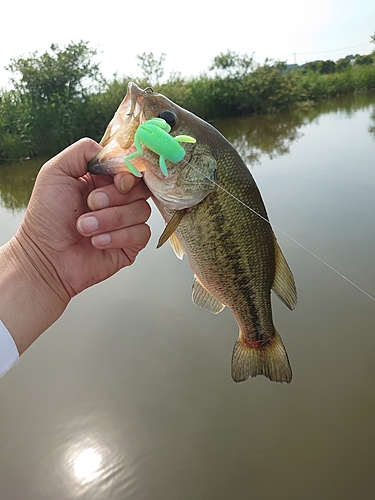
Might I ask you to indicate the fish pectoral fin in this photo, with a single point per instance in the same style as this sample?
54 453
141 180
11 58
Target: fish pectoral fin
171 227
203 298
283 283
270 360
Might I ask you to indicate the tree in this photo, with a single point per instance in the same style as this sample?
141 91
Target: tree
234 64
152 69
54 88
343 63
327 67
64 72
314 66
364 60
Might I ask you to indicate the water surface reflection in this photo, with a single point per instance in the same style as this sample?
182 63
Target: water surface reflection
16 183
129 394
91 463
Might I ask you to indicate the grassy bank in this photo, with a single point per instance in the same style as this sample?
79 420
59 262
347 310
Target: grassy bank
37 119
317 87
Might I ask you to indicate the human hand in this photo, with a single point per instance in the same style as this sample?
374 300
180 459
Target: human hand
87 227
58 251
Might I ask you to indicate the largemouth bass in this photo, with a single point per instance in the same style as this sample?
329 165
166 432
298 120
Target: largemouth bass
227 239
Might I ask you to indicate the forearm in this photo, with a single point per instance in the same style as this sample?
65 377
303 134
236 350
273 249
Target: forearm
30 298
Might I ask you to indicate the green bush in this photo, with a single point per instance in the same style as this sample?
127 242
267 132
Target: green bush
61 96
364 60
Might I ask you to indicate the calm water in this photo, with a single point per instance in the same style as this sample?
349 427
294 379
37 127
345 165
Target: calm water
129 395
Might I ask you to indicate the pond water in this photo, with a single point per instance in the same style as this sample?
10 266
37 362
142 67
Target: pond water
129 394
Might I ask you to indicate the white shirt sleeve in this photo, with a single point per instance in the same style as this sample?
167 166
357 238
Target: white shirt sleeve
9 355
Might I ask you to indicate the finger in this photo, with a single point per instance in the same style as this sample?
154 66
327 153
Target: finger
110 196
129 237
99 181
73 160
114 218
88 182
125 181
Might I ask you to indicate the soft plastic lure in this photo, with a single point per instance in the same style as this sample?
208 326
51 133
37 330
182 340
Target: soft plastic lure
154 135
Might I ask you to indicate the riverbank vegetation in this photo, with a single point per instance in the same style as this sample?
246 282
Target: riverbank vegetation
61 95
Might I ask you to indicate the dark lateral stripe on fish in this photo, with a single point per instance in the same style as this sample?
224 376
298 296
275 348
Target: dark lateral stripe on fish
225 234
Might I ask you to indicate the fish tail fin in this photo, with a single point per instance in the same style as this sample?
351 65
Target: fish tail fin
270 360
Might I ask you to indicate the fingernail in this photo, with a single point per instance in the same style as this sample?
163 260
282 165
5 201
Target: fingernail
126 183
98 200
88 224
101 240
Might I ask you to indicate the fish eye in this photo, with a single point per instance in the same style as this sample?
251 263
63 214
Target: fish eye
169 117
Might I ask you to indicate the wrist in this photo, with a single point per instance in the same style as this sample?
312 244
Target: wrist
32 297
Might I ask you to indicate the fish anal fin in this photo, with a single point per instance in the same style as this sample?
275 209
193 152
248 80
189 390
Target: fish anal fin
283 284
171 227
203 298
270 360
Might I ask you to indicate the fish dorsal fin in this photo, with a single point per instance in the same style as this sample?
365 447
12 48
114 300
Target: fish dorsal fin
176 245
283 283
171 227
203 298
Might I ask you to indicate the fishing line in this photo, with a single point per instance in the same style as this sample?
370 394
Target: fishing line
284 233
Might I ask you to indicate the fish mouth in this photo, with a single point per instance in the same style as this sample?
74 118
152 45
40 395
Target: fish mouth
118 139
137 107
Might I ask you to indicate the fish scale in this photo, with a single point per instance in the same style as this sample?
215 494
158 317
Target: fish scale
249 271
232 251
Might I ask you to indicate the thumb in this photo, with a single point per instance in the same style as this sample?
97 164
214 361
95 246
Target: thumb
73 160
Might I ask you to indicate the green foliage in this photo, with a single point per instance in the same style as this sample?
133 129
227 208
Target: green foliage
327 67
100 107
313 66
320 67
61 72
234 64
343 64
45 111
16 128
61 96
152 69
263 90
354 79
364 60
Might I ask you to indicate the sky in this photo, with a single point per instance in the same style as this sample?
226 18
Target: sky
190 32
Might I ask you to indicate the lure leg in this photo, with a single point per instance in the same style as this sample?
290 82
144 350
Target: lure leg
132 168
138 152
163 166
185 138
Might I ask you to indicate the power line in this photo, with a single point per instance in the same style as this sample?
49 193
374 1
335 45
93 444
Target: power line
295 54
333 50
324 51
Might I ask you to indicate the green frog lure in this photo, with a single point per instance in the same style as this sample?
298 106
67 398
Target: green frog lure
154 135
